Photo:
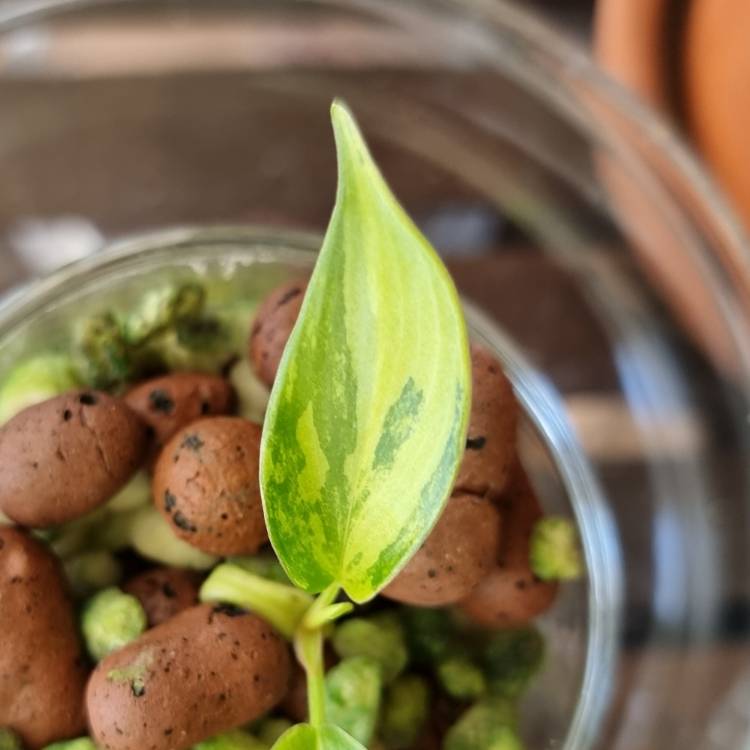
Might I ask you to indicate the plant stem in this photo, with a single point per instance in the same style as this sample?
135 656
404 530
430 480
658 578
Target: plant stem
309 646
310 652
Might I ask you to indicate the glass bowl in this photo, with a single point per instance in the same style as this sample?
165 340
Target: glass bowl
591 251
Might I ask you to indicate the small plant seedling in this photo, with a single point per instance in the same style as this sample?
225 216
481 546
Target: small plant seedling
367 419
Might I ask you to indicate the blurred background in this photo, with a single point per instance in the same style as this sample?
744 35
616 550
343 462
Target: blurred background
681 59
35 247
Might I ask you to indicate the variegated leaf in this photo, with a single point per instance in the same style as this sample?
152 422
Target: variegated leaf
367 419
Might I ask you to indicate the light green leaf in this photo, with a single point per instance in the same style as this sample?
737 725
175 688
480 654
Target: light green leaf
333 738
367 419
299 737
307 737
271 729
235 739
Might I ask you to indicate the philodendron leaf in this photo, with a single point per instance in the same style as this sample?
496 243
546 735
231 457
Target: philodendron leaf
307 737
367 419
298 737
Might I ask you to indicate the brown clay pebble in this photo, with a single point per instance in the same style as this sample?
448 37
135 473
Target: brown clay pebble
271 328
171 402
205 671
491 441
164 592
42 669
64 457
511 594
460 551
206 485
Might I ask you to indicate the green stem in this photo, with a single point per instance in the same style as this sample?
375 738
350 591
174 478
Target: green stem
309 646
310 653
325 616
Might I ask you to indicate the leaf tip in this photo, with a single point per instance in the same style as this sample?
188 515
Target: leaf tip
340 111
346 131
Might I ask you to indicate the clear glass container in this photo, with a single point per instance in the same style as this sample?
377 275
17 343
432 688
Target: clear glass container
591 251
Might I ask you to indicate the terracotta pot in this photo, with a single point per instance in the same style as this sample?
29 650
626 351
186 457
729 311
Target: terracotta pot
640 42
680 58
716 86
629 44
